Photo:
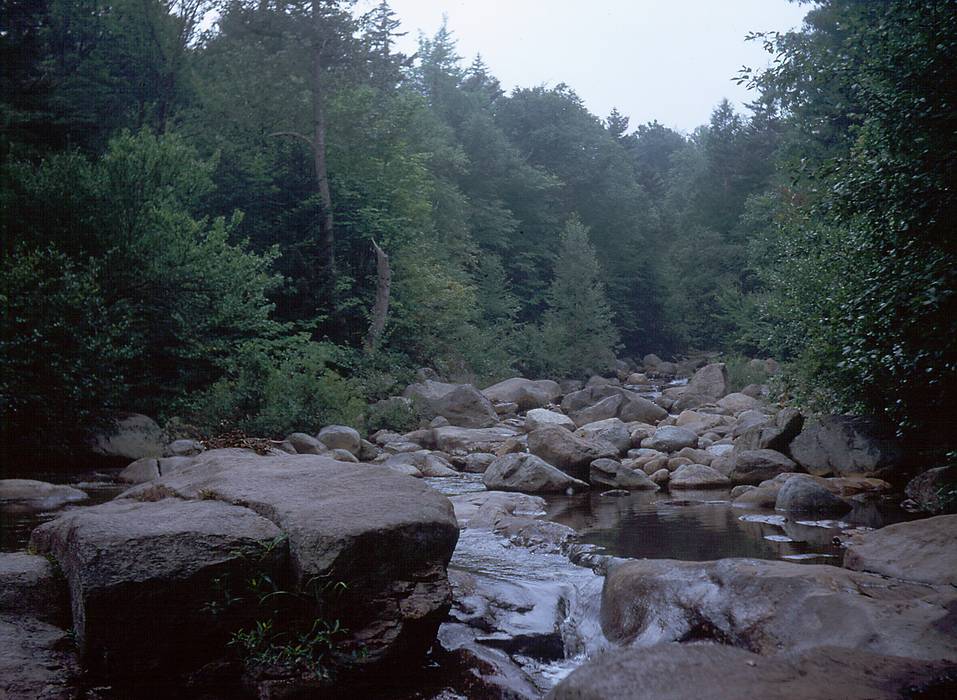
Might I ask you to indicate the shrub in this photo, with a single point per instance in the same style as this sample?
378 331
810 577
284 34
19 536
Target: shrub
275 387
741 373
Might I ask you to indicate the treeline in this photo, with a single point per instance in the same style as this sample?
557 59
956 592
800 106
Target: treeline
190 218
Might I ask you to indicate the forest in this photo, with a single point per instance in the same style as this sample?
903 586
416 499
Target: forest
195 217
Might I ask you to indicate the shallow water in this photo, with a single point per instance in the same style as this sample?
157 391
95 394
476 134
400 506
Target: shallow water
17 520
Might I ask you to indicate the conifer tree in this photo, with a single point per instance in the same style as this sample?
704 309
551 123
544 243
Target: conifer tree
577 334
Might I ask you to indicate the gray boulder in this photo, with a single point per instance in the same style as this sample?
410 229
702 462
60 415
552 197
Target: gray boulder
804 494
755 466
922 550
461 404
147 469
540 417
308 445
843 445
738 403
776 434
934 491
427 463
341 455
129 436
670 438
611 430
637 408
771 607
184 447
607 407
576 401
478 462
39 495
567 451
528 474
611 474
721 672
340 437
29 586
697 476
463 441
711 381
390 537
527 393
467 407
118 555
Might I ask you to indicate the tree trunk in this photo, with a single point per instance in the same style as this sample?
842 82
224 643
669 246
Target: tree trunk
326 234
380 310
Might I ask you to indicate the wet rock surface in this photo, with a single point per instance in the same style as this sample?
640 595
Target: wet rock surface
770 606
36 661
681 671
140 575
922 550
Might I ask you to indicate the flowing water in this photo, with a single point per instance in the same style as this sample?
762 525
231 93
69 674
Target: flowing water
534 604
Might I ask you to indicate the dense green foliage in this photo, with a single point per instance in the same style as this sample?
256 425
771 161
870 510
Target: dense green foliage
857 257
162 200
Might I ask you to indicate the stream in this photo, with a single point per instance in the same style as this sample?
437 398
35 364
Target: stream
531 611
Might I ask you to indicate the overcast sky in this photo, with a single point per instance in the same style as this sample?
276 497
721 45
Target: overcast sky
670 60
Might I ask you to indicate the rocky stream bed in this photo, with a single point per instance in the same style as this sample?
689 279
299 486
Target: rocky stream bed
627 538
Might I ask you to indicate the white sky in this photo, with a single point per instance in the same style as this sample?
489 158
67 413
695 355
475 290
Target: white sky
670 60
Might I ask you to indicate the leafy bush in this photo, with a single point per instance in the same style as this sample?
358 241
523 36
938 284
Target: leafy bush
61 348
275 387
391 414
741 373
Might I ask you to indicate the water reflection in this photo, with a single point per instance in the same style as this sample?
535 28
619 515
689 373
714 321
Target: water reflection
702 525
17 520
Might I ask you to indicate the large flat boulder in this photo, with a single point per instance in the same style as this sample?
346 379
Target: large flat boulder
528 474
526 393
568 452
774 606
720 672
844 445
388 536
140 576
922 550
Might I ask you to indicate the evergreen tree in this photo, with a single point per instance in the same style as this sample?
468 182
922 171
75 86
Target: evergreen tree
577 335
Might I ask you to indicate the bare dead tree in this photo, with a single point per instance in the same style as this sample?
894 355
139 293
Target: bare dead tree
380 310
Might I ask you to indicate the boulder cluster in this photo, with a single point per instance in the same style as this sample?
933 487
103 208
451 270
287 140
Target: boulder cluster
159 585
